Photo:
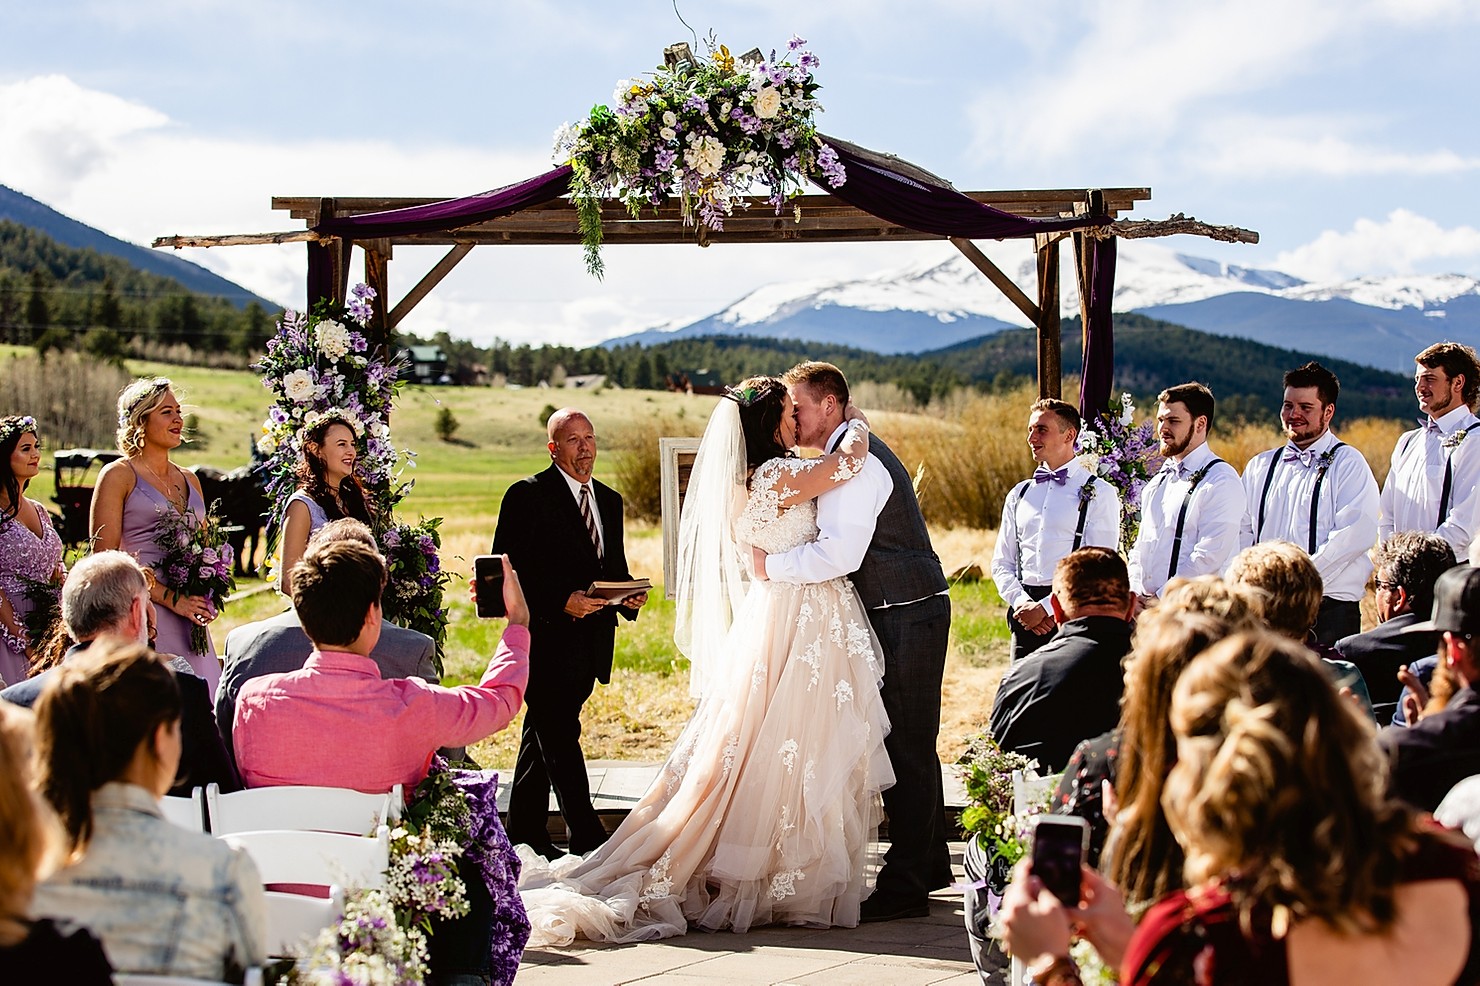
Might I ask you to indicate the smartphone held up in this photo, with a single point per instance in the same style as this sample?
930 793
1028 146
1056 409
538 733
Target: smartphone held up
488 578
1059 846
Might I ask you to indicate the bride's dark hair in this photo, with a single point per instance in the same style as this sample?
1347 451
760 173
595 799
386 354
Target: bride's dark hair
762 401
313 481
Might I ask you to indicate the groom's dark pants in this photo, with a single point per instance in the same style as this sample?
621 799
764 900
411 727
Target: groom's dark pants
914 639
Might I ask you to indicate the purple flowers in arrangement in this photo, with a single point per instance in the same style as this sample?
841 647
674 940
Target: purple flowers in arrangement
1124 455
705 133
413 596
196 561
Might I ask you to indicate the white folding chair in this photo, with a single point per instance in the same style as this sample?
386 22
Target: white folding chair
316 809
295 920
254 978
319 858
188 813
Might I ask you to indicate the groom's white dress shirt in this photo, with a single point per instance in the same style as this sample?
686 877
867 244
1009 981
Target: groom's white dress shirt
846 516
1038 529
1410 497
1346 513
1210 533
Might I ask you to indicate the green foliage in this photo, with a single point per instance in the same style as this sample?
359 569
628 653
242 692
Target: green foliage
545 413
446 424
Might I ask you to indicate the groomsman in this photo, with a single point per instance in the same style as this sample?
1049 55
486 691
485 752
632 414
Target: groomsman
1061 509
1431 485
1191 510
1316 492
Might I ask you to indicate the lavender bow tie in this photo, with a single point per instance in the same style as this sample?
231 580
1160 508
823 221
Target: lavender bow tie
1058 477
1430 425
1293 454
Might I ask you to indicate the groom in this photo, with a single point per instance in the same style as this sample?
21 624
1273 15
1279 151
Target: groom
871 529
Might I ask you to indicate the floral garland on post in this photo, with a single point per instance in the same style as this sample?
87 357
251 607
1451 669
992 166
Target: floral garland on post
1125 456
705 133
319 365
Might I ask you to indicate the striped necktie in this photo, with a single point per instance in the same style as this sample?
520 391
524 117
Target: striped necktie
590 518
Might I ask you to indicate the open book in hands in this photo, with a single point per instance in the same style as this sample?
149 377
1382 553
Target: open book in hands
615 592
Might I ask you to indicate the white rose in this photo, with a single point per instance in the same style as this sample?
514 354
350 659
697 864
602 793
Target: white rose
669 119
298 386
333 339
724 109
767 102
706 157
668 133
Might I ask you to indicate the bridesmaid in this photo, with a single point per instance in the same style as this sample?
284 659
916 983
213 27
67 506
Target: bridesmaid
327 490
132 495
30 549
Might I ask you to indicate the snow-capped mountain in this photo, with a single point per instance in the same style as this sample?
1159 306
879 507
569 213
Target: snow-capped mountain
1377 321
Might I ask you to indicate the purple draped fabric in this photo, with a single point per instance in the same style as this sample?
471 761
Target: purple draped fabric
451 213
1097 377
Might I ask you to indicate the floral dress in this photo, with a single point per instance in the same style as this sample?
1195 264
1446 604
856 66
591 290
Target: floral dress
25 560
768 808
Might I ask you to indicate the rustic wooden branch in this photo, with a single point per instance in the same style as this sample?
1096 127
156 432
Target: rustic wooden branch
239 239
1135 229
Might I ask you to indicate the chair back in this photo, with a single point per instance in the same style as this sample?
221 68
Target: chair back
316 809
254 978
295 920
317 858
188 813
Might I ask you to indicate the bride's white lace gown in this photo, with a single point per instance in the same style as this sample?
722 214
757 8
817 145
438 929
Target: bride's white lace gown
768 808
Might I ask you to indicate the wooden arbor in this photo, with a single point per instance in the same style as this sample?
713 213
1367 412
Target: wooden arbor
816 218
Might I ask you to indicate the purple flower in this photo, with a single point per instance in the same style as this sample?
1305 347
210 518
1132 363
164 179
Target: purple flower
392 538
206 572
792 45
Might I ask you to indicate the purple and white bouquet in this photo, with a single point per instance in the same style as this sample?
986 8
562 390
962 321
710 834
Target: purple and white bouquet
196 561
367 947
704 132
422 879
1124 455
320 365
417 583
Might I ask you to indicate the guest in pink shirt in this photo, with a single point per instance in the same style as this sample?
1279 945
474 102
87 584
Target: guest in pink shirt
336 722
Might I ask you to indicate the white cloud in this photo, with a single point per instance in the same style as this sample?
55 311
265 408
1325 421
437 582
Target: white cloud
1403 243
1241 146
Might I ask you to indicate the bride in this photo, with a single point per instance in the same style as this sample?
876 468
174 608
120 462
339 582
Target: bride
768 808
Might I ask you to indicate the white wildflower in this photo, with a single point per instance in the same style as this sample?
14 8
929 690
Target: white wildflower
298 386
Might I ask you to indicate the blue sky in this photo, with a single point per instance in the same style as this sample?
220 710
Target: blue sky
1345 131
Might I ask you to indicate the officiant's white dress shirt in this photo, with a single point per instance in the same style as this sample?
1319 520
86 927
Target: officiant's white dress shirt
846 516
1210 535
1038 529
1346 516
575 491
1410 497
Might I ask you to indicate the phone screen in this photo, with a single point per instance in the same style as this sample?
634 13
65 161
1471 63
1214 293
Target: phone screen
1058 851
488 572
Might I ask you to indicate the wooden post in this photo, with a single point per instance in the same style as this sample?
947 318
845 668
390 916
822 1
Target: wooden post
1050 350
377 276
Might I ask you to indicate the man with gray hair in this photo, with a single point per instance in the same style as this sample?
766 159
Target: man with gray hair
278 644
107 595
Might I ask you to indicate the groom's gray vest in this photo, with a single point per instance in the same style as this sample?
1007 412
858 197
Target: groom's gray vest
900 566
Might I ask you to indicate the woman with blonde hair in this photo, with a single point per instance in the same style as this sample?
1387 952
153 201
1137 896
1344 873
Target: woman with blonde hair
140 490
164 900
33 951
1299 867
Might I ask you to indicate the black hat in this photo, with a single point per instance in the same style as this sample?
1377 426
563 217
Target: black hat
1456 602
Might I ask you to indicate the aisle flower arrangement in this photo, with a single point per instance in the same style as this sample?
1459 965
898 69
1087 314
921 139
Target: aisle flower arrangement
196 562
367 947
704 133
1124 455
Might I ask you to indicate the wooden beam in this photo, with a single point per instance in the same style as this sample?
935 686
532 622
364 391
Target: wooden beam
237 239
424 286
377 276
1050 351
994 274
1177 224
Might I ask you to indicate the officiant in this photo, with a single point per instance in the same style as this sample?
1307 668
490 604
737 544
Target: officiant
562 530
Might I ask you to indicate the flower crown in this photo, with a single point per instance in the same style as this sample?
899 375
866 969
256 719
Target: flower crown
17 425
747 396
145 393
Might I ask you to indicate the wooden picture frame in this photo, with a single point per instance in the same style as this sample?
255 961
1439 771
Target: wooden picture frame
675 461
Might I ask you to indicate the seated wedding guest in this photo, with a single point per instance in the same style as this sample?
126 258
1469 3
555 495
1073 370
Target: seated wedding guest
165 901
327 490
385 732
1442 748
278 644
107 595
1290 591
33 951
1069 689
1460 809
30 549
1406 566
1299 867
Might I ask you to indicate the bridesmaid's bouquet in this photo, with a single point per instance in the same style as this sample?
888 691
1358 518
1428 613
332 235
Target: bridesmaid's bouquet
45 599
196 562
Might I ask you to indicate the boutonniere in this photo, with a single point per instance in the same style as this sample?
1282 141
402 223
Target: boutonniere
1325 459
1455 440
1197 477
1087 491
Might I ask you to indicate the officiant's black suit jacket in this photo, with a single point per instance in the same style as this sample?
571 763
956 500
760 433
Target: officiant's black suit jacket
541 529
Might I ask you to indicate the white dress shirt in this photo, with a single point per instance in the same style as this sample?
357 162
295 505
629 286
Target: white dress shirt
846 515
1038 525
1346 516
575 491
1410 497
1210 535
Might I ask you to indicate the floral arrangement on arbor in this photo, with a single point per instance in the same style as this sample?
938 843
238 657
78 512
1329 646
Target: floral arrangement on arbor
704 132
416 585
196 562
1124 455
